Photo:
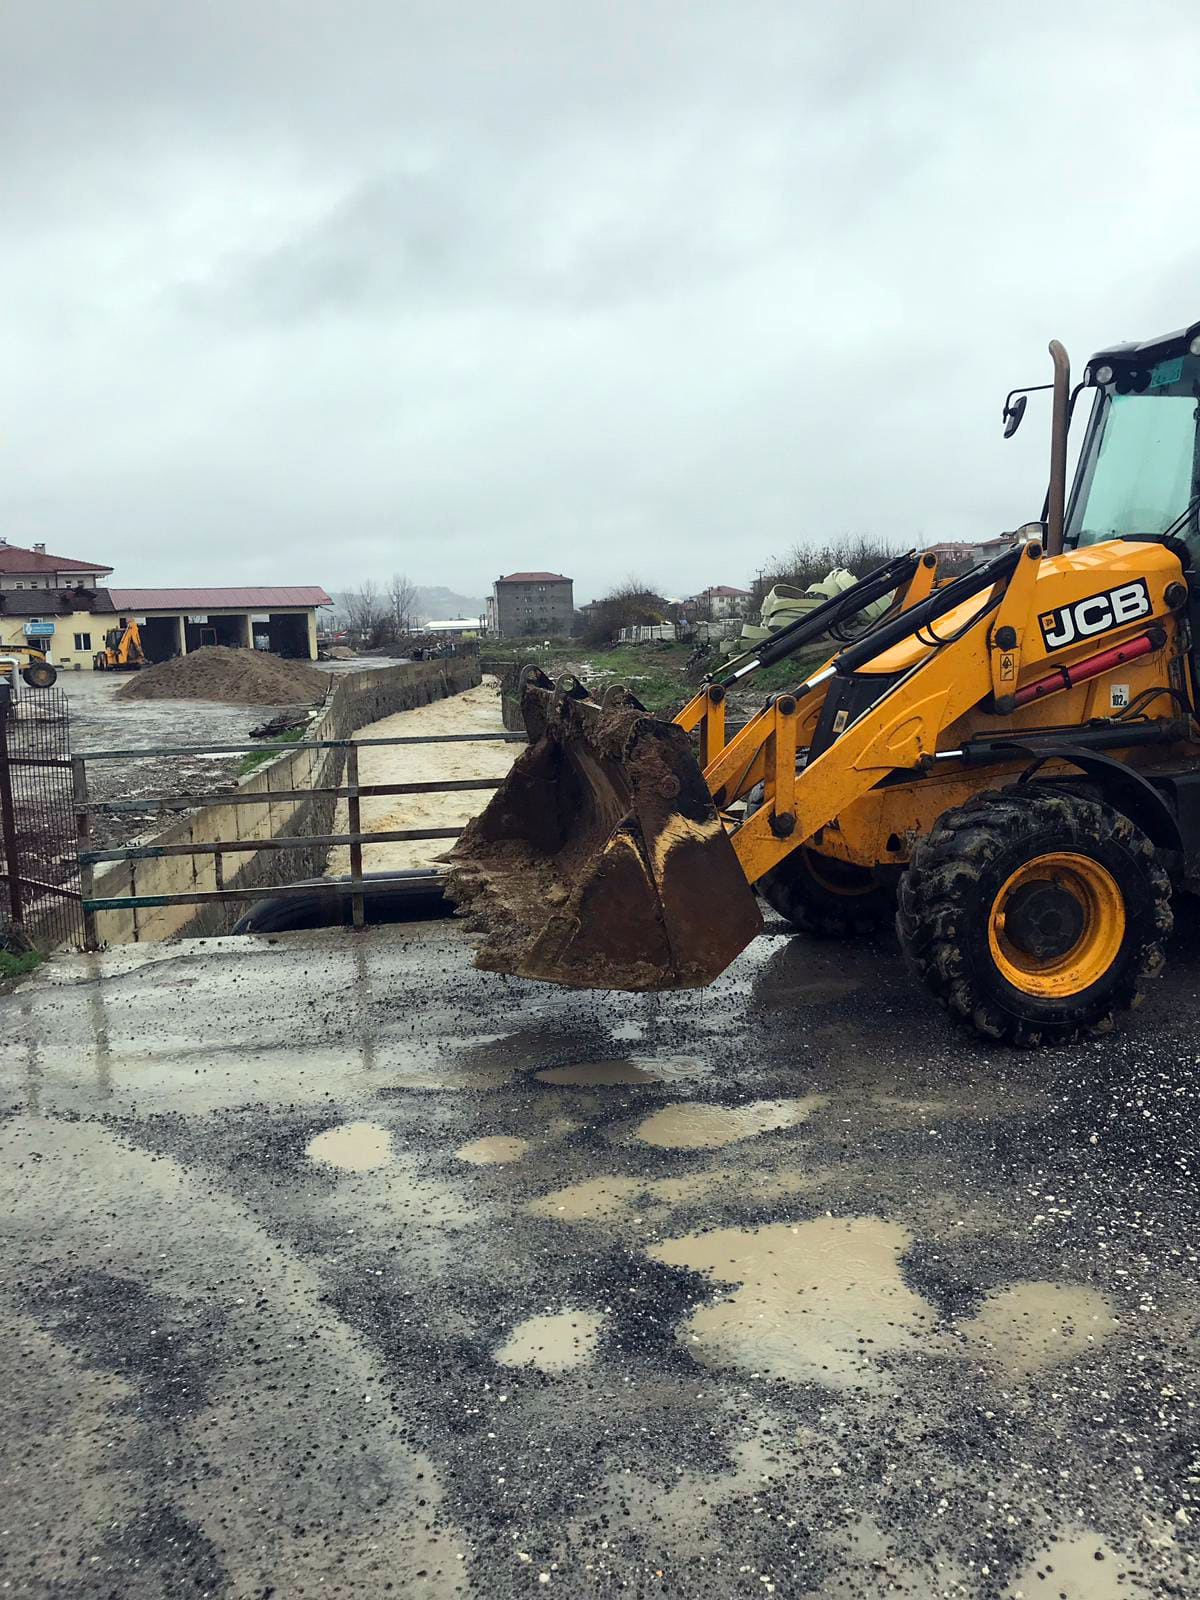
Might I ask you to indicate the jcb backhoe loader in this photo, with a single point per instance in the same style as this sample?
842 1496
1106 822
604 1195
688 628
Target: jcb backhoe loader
1008 762
122 650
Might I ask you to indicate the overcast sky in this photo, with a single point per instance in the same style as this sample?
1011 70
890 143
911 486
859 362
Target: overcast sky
307 292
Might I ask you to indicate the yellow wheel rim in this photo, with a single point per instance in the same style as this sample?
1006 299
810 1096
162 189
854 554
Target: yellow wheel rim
1056 925
820 870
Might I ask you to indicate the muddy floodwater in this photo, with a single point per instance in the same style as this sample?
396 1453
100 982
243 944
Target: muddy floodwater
330 1264
475 711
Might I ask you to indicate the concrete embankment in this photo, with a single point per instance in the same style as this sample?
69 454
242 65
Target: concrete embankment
358 699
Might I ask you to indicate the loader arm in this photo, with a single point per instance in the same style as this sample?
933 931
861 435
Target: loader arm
766 748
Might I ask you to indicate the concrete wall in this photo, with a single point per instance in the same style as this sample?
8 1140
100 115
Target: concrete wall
359 698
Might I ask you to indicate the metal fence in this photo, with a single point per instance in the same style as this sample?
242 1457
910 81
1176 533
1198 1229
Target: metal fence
39 873
352 791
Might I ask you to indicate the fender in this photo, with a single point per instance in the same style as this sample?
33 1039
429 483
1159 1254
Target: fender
1134 795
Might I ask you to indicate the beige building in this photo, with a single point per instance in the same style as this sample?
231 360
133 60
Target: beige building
56 604
722 602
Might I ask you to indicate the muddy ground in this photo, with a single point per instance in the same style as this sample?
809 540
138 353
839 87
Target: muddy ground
331 1265
100 721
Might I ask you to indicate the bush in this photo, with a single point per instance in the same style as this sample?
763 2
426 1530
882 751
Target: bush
804 564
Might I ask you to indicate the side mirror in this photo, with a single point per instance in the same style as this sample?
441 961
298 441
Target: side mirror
1013 413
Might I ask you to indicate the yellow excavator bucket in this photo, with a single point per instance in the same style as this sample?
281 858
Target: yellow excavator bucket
601 862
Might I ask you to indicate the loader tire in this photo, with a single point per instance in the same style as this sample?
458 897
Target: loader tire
826 898
1034 915
39 674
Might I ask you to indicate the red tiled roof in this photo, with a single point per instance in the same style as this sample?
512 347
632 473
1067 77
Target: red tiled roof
534 577
13 559
216 599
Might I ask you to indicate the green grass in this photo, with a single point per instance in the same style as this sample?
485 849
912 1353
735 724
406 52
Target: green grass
13 967
257 757
655 671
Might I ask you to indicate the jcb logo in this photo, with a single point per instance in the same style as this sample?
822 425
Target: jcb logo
1097 614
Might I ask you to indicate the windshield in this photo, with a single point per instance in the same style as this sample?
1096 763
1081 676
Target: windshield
1140 466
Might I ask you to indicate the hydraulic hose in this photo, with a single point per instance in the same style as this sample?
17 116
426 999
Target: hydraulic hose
805 630
927 611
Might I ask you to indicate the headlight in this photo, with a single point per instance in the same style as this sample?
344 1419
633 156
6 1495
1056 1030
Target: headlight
1103 374
1194 347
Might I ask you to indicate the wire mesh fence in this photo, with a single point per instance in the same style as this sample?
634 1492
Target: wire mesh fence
39 868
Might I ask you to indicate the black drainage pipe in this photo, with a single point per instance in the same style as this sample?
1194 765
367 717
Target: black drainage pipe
417 897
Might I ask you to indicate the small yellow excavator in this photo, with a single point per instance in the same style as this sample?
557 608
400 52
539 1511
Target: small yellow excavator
1007 762
122 650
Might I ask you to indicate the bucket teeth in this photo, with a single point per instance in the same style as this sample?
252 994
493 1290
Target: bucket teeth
601 861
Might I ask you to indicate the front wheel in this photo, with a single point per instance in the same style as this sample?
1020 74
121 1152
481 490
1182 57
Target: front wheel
825 897
39 674
1034 915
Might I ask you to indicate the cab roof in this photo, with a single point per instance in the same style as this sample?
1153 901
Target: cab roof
1147 351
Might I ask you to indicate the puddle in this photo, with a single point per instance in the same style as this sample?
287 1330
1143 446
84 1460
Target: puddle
693 1126
597 1074
613 1198
815 1301
631 1070
354 1147
553 1343
492 1152
596 1199
449 1078
1027 1327
1078 1567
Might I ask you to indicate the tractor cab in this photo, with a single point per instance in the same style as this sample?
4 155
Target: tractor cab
1139 465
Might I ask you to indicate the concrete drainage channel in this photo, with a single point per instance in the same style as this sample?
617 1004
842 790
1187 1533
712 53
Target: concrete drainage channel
275 828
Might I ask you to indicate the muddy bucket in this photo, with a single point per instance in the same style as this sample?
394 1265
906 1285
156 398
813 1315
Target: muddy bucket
601 863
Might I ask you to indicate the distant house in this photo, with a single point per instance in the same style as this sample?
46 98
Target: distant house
529 603
722 602
965 552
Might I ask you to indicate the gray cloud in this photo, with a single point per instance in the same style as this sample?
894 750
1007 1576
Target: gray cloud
310 291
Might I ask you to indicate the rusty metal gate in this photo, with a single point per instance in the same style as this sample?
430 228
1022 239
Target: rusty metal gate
39 867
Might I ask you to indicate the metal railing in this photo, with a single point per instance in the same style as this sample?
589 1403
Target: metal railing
39 892
352 791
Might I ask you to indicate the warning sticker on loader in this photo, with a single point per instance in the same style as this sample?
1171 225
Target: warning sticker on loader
1118 696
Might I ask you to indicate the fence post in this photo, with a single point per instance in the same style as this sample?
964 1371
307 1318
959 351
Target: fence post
83 834
8 821
355 818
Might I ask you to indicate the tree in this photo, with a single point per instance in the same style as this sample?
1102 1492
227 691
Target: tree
806 564
366 612
402 605
629 605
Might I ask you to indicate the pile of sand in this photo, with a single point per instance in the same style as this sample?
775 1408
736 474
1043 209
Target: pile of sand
237 677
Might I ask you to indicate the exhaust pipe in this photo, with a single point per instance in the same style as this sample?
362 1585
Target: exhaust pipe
1056 498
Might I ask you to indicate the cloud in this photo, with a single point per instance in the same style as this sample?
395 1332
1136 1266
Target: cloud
307 293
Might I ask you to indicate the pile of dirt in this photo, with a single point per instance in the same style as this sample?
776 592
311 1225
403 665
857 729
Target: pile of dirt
237 677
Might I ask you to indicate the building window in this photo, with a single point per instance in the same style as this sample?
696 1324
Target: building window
83 641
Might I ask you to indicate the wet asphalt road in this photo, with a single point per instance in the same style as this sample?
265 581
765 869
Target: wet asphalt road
332 1266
